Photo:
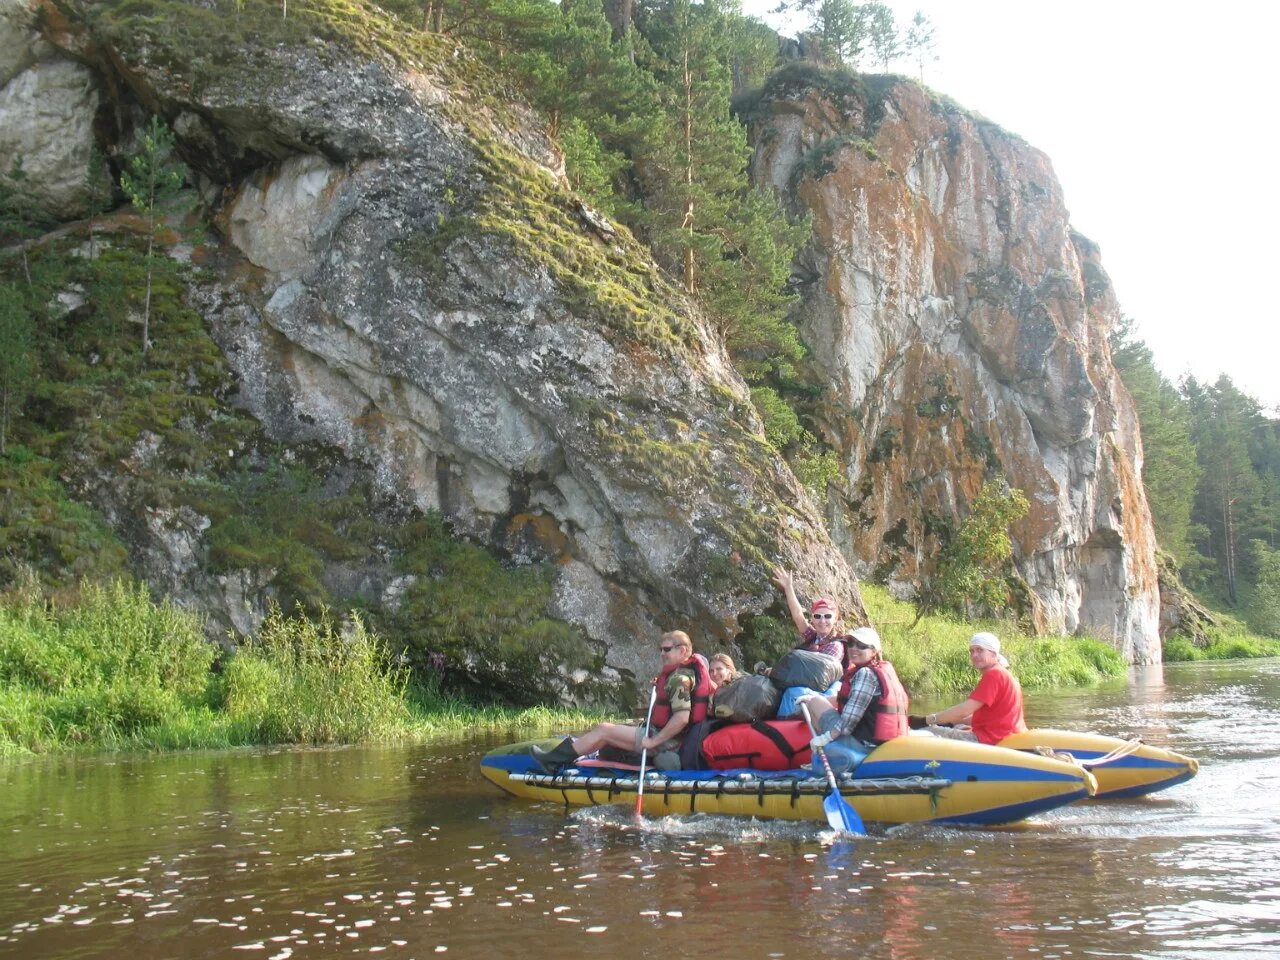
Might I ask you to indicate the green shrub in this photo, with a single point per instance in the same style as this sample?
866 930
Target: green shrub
482 625
1229 642
307 681
102 669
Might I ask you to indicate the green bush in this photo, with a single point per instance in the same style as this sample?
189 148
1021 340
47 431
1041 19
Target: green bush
102 669
307 681
482 625
1230 642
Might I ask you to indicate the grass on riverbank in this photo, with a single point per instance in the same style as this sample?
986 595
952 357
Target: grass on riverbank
112 670
1231 641
932 656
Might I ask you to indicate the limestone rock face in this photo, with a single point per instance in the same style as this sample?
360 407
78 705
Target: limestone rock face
964 327
47 107
384 285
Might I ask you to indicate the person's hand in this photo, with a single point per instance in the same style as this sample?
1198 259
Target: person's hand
761 669
820 741
648 743
916 722
782 579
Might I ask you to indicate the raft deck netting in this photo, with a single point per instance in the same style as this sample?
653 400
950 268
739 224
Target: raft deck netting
908 780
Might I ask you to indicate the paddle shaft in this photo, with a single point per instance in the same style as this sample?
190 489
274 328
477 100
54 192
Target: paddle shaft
822 754
840 815
644 753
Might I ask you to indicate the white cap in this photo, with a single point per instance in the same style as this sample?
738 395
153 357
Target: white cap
867 637
988 641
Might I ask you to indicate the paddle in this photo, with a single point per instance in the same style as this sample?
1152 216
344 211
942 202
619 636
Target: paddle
840 815
644 754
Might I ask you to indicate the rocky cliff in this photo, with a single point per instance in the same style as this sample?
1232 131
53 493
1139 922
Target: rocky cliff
963 327
399 272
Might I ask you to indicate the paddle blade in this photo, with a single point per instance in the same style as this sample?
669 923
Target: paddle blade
841 816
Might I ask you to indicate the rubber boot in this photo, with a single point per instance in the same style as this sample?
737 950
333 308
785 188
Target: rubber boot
557 758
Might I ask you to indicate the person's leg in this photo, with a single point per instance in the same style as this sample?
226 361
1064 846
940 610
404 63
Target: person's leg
953 733
624 736
620 735
819 710
844 754
787 706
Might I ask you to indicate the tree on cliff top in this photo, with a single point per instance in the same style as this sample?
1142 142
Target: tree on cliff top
730 245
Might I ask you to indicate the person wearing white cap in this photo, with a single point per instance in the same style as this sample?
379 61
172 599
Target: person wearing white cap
993 711
870 707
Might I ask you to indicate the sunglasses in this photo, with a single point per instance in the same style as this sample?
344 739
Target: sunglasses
669 649
860 646
822 616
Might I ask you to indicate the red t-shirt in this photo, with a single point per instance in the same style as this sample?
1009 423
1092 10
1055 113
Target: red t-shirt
1001 711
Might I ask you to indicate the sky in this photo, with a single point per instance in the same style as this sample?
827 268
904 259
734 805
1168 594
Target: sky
1160 126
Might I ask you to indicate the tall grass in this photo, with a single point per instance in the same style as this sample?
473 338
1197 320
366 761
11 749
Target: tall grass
305 681
98 671
115 670
1231 641
931 656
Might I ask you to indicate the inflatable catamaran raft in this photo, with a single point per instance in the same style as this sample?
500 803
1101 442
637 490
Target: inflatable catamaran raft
907 780
1123 768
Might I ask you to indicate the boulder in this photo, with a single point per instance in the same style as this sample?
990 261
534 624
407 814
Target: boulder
47 107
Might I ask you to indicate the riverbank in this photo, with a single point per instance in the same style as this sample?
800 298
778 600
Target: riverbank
114 670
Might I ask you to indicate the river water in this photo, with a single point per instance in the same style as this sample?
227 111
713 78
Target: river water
409 852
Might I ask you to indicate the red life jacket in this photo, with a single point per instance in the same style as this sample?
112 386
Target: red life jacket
886 718
702 691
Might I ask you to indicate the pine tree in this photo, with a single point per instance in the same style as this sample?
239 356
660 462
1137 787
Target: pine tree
918 45
1170 470
882 34
730 246
1231 496
1266 612
841 25
153 176
19 211
97 191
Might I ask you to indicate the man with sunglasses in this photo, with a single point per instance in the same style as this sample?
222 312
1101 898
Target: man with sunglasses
870 708
684 691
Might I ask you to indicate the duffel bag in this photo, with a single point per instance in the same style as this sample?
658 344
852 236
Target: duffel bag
760 745
746 699
806 668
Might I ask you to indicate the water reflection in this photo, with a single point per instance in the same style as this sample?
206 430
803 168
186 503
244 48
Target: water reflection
408 852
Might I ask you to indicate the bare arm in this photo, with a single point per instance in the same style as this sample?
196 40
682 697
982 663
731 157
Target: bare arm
783 580
957 714
679 720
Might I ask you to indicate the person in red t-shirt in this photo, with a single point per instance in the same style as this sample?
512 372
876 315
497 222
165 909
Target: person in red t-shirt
993 710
